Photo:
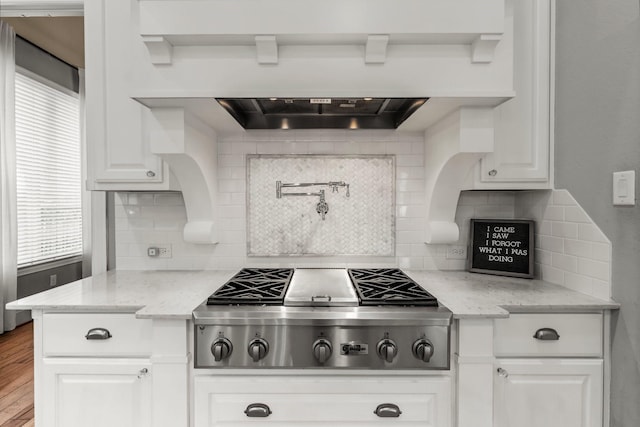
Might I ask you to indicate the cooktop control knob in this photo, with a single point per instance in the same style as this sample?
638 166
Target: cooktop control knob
258 349
322 350
221 349
423 349
387 350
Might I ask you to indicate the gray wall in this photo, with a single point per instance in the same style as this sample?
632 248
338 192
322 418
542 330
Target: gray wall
598 132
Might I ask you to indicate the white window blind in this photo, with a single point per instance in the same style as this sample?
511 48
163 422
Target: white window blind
48 167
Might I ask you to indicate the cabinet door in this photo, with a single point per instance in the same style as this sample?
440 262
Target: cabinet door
548 392
119 156
96 392
522 124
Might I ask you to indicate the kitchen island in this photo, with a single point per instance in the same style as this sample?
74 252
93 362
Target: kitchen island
145 367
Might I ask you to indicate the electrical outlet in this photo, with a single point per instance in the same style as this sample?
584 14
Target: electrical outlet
53 280
456 252
159 251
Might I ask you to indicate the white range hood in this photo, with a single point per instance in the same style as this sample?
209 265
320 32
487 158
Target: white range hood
459 54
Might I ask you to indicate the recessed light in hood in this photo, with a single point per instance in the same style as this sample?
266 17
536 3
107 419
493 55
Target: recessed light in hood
321 113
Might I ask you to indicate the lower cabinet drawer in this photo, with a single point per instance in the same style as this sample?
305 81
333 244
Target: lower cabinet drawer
344 400
549 335
95 334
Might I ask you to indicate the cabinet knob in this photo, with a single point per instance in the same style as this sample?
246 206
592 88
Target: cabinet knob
151 174
493 172
503 372
143 372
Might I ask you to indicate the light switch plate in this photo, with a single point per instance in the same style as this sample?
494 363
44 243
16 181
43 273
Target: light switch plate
624 188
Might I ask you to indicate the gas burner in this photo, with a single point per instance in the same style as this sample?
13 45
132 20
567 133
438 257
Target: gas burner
254 286
389 286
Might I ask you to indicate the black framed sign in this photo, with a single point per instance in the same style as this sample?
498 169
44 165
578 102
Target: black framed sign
502 246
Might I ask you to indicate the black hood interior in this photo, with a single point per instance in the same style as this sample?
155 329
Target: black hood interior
321 113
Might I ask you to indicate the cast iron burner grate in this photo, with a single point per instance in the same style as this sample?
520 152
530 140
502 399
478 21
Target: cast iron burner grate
254 286
389 286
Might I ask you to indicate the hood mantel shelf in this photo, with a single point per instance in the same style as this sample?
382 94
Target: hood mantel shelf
453 146
189 147
165 24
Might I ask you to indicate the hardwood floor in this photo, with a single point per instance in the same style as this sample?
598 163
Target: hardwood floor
16 377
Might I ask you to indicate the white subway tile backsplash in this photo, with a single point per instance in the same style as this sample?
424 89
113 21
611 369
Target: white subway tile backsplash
409 160
409 185
552 274
570 250
398 147
138 223
575 214
552 244
231 160
578 248
591 233
410 173
140 199
169 224
232 185
504 198
321 147
543 257
473 198
595 269
565 263
544 228
243 148
495 211
554 213
562 197
168 199
601 252
564 229
231 211
374 147
577 282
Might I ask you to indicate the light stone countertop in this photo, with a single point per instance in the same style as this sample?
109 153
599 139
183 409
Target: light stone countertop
473 295
175 294
150 294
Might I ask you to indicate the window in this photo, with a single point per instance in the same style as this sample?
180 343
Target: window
48 168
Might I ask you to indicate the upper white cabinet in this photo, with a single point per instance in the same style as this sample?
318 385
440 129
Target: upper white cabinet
118 150
523 140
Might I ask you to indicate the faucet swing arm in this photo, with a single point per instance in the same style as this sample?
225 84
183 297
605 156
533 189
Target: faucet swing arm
322 207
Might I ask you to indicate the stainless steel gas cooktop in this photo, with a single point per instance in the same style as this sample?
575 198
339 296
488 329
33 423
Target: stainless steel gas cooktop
322 318
331 287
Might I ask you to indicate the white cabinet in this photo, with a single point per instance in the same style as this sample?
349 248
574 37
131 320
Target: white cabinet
548 392
549 370
335 399
523 135
118 152
93 369
96 392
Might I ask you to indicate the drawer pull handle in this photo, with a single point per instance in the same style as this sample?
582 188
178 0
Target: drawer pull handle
546 334
98 334
258 410
388 410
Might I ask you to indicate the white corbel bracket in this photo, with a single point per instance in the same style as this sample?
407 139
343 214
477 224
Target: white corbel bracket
189 148
267 49
483 48
376 49
453 146
160 50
